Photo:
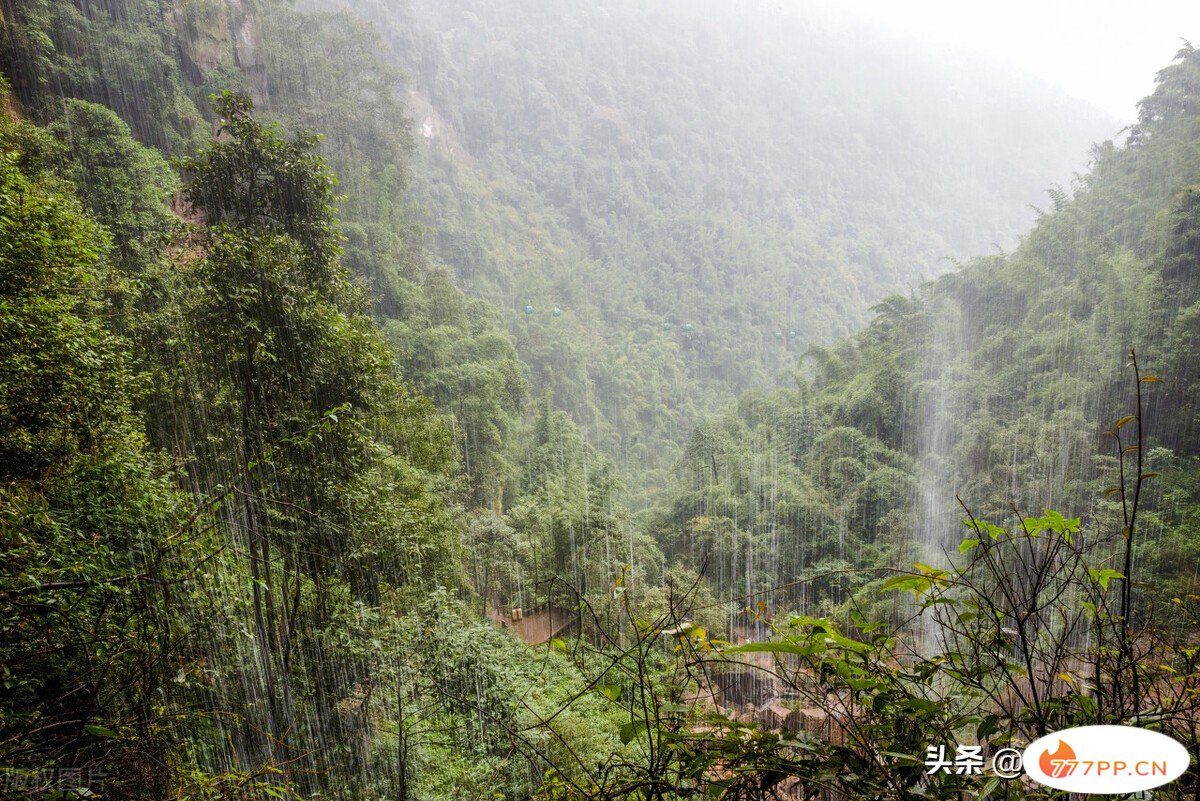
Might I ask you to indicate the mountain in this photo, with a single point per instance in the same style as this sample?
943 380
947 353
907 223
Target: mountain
704 190
995 386
364 437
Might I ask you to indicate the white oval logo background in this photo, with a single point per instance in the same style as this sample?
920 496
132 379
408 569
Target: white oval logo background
1105 760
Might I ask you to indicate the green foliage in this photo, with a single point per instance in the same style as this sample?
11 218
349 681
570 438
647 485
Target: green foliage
699 218
776 495
324 481
117 54
260 610
568 518
313 389
329 477
124 185
85 510
981 384
64 383
451 349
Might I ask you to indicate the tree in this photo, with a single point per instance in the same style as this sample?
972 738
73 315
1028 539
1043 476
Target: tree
85 508
124 185
287 399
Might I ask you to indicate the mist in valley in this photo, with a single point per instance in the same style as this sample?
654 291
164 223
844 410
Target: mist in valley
451 399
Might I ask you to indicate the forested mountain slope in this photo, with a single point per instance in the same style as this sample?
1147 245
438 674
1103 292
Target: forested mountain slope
995 384
264 466
701 191
704 190
249 437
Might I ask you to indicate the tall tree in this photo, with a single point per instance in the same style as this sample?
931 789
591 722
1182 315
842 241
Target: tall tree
336 464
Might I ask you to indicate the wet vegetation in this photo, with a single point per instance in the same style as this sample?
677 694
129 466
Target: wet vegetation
319 387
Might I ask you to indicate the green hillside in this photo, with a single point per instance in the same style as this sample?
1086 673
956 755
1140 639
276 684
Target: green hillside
402 401
702 198
995 383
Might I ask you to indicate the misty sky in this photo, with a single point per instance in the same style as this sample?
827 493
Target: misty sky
1100 51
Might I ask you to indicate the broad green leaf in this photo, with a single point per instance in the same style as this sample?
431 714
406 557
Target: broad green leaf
1105 575
610 691
984 527
631 730
918 584
100 731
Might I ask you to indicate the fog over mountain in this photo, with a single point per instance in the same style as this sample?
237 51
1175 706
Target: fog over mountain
554 401
760 175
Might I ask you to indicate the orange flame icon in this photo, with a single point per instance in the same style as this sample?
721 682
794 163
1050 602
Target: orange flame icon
1060 763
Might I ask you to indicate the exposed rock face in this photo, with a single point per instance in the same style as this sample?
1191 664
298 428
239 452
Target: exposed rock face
221 34
436 132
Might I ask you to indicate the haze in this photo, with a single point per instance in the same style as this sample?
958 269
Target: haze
638 400
1101 52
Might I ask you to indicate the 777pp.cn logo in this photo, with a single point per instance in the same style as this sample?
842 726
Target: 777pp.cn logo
1063 762
1105 759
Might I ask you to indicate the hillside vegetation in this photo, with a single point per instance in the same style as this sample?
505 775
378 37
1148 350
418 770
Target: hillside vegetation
288 417
995 383
701 197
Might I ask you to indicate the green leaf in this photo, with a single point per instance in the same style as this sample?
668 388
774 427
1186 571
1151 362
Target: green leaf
984 527
631 730
100 731
918 584
928 577
843 641
610 691
1102 577
967 545
558 643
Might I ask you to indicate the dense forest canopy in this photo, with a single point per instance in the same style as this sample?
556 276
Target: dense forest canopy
703 198
445 400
